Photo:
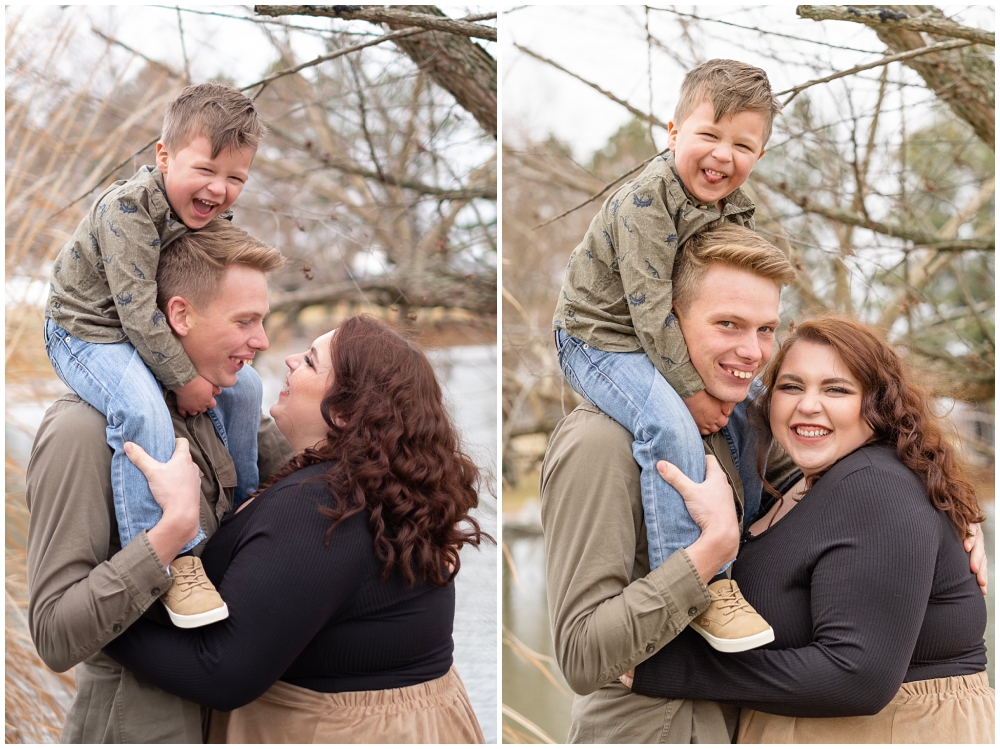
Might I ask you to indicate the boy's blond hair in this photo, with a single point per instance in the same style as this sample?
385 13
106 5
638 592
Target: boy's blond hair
731 87
219 112
192 267
729 244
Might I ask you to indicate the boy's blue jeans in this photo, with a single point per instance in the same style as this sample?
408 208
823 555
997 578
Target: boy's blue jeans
630 390
112 378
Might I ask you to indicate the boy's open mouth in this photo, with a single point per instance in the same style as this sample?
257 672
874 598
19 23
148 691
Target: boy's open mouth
203 208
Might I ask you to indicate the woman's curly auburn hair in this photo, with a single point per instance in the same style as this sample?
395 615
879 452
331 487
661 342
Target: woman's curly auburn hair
892 404
396 453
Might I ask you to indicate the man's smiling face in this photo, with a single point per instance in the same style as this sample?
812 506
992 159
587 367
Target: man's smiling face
728 327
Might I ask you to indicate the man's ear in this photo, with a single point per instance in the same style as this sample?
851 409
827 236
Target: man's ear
161 156
179 315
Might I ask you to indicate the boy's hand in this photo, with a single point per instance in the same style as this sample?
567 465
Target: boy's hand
196 397
710 414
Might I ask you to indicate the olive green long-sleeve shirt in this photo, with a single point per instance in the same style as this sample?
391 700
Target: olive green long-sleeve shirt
103 284
618 294
84 589
608 612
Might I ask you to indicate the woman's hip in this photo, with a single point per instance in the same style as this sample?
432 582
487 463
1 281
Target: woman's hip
951 710
436 711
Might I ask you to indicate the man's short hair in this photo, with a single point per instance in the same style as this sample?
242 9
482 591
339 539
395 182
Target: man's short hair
731 87
219 112
192 266
731 245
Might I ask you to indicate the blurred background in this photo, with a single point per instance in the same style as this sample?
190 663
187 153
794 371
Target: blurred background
878 182
377 181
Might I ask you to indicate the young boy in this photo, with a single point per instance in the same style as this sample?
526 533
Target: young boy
109 342
617 300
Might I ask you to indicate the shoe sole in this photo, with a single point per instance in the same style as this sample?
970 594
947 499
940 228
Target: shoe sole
191 621
739 645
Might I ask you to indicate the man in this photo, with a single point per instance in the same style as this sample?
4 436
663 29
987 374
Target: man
84 589
608 611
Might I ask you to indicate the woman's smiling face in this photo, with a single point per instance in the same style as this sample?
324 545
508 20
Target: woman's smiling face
816 407
297 411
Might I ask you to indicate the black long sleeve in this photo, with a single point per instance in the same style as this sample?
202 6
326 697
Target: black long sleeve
865 585
301 610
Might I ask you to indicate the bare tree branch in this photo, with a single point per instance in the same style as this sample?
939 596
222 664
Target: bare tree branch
391 37
386 14
919 238
486 192
637 112
939 47
964 80
459 66
890 17
603 190
479 296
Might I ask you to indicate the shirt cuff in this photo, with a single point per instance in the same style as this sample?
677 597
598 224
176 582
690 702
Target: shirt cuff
140 570
685 594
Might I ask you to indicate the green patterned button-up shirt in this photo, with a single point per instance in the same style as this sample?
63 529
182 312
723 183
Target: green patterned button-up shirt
618 294
103 286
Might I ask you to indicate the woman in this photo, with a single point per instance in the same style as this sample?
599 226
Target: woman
864 577
339 575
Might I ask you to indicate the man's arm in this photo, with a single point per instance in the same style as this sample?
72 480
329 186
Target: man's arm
79 598
603 621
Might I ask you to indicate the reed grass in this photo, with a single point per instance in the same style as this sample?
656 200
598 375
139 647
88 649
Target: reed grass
63 137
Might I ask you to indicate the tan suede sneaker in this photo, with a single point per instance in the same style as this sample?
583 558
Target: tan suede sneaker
730 624
192 600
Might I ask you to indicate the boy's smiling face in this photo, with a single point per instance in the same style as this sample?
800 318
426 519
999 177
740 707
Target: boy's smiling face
200 187
714 158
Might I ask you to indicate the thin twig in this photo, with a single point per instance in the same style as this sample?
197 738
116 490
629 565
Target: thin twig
184 52
263 83
603 190
939 47
637 112
765 32
137 53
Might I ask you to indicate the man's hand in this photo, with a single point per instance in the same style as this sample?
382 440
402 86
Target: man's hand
976 546
197 396
710 414
176 487
712 507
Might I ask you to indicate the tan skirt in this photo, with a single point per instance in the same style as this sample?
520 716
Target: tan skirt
435 712
952 710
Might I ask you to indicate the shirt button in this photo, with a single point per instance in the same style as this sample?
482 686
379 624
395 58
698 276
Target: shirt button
117 628
155 592
692 611
650 648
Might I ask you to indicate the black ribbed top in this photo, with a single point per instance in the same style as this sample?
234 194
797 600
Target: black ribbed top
866 586
301 611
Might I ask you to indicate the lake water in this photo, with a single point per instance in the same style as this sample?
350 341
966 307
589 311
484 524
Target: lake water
469 380
529 692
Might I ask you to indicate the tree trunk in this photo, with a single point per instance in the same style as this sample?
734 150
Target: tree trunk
458 65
